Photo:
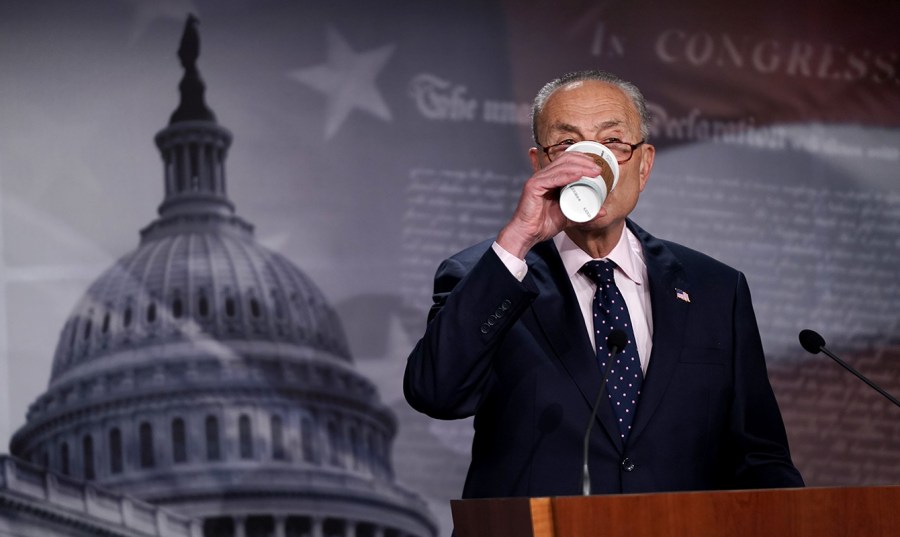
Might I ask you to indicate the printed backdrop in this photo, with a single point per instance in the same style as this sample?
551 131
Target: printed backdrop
372 139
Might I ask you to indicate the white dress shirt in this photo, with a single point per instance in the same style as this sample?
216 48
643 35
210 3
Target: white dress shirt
630 275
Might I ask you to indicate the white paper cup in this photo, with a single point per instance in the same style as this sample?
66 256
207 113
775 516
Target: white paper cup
581 201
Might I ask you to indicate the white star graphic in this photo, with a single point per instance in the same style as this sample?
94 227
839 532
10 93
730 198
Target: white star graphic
348 81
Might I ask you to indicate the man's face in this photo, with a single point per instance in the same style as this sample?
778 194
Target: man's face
593 110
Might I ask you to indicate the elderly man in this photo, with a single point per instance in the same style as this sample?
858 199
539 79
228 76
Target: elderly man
517 335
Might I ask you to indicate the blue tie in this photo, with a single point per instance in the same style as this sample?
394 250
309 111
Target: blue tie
610 313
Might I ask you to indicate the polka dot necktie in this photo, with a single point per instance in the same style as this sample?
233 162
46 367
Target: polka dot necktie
610 312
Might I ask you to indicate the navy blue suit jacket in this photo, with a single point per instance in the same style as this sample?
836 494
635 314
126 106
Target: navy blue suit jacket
516 355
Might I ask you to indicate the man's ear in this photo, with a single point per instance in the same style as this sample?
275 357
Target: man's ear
535 155
648 152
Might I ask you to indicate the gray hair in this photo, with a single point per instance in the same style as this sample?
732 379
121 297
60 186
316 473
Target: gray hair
628 88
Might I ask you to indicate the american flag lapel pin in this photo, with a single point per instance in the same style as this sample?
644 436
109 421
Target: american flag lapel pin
682 295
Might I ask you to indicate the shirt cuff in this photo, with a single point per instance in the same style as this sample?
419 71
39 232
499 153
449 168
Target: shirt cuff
516 266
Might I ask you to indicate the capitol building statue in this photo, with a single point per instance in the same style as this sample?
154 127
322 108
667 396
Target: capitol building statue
207 376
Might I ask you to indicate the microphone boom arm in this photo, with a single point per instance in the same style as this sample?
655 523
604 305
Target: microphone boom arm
585 471
860 376
616 342
813 343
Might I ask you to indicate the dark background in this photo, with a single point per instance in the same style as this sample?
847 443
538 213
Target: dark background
372 139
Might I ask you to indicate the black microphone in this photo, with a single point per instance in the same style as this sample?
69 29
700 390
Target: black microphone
814 343
615 342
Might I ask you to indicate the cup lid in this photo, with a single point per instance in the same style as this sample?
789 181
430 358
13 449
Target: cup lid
596 148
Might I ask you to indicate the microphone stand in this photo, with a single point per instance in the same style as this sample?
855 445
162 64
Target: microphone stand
860 376
585 471
812 342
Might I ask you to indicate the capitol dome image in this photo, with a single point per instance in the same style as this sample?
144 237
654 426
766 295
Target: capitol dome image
207 375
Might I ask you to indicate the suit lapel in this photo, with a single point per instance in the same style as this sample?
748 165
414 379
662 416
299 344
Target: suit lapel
559 319
666 277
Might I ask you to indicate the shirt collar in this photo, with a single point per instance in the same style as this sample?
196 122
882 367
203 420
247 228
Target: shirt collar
627 254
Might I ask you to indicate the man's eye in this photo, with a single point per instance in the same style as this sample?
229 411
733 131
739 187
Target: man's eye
567 141
611 141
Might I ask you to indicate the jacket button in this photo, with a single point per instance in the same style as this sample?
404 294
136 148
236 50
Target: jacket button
505 305
485 328
628 465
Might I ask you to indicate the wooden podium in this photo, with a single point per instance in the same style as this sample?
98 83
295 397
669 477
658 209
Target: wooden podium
803 512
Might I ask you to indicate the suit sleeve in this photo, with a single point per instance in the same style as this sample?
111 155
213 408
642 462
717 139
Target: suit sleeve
757 431
476 301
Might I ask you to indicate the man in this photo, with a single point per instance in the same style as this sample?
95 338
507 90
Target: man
517 334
